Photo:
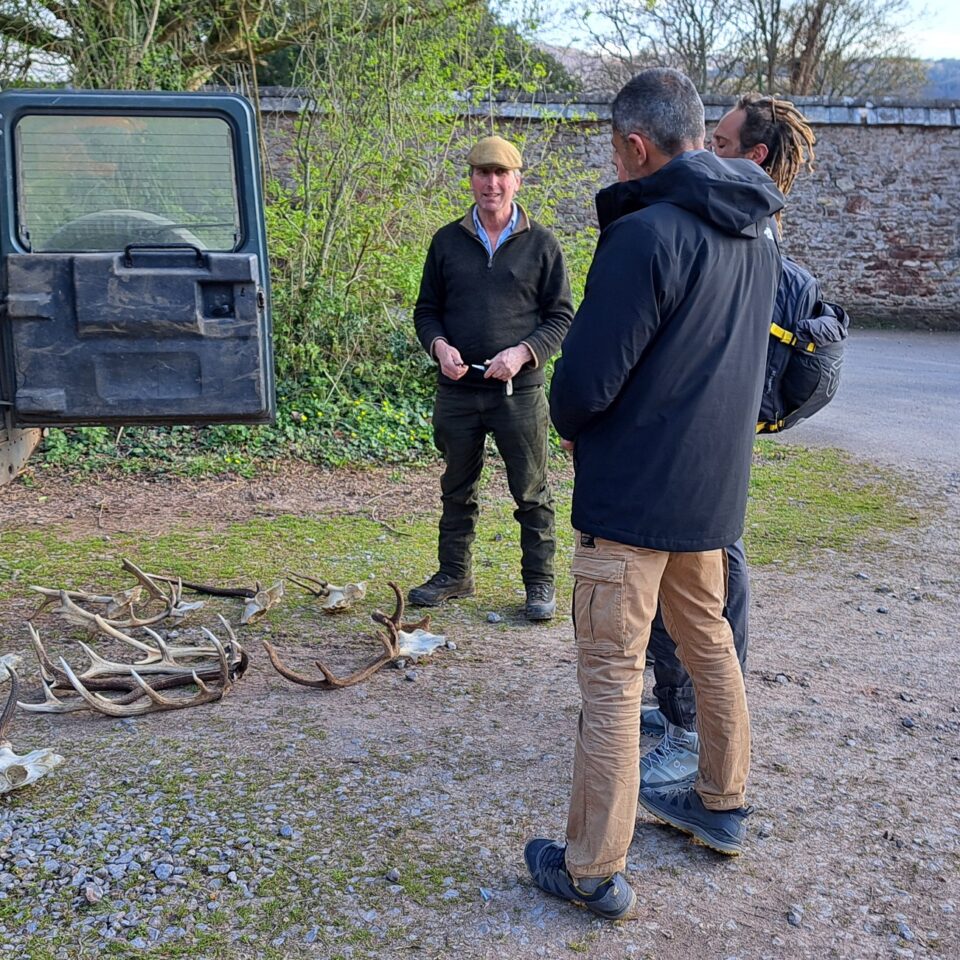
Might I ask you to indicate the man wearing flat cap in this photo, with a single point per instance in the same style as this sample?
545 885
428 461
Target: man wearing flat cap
494 306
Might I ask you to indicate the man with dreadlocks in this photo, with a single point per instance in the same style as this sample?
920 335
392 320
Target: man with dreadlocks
771 132
774 134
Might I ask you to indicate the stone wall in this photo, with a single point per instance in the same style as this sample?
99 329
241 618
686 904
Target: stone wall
878 219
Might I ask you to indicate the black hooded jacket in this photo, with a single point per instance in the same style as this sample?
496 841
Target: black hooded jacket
660 378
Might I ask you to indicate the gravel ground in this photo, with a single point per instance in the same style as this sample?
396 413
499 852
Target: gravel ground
387 820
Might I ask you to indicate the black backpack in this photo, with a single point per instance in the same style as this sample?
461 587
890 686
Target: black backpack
805 352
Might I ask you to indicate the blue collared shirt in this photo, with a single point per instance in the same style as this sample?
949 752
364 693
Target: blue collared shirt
507 230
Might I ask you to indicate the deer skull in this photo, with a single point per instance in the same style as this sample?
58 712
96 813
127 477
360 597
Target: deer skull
262 601
333 599
20 770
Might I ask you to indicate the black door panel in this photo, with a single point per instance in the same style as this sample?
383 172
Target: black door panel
135 279
149 336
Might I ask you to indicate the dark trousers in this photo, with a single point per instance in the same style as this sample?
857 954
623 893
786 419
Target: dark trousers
673 687
462 418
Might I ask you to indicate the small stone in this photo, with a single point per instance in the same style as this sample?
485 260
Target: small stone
862 576
904 930
782 678
451 645
906 698
311 935
285 830
493 617
486 895
907 722
410 675
92 893
882 610
163 871
451 894
393 874
795 915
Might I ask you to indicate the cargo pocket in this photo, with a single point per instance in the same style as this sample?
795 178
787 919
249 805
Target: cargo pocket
598 601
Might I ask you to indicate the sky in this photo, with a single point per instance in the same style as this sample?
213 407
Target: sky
935 32
933 26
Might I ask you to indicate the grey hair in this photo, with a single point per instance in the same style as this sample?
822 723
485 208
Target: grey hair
663 105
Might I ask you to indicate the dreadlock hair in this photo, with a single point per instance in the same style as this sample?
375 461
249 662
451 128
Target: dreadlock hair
784 130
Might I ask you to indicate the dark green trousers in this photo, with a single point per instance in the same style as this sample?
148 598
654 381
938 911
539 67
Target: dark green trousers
462 418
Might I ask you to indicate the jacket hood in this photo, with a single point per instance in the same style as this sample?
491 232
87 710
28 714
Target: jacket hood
735 196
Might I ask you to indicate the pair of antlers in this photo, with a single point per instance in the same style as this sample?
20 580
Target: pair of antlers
137 697
391 639
119 609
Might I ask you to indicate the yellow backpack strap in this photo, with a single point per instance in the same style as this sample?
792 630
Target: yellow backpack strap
790 339
784 336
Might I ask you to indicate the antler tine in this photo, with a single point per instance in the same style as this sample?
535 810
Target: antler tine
239 661
48 672
314 585
325 683
157 702
208 693
108 628
73 613
51 703
10 706
148 582
398 612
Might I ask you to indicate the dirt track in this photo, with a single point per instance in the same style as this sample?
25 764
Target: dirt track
856 767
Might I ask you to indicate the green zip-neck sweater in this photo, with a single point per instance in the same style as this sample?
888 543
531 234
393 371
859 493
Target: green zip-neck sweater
482 304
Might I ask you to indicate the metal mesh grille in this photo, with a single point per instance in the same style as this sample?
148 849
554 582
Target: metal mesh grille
101 182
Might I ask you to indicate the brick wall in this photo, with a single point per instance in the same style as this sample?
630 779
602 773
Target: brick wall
878 220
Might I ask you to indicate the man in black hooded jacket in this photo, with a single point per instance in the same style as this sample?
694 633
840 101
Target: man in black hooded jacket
657 393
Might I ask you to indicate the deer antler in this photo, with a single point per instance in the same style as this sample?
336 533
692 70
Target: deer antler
115 605
73 613
335 599
157 702
126 677
106 675
391 641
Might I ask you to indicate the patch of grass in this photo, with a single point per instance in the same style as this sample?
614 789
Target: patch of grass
803 500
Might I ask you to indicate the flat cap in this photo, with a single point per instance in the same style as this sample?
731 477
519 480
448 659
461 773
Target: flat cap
495 152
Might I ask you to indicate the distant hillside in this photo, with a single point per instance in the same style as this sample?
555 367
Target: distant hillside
943 80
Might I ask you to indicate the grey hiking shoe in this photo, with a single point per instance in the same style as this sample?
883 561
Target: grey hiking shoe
541 601
607 897
681 807
441 586
673 760
652 722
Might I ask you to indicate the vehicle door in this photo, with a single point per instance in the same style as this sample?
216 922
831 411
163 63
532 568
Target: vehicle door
135 279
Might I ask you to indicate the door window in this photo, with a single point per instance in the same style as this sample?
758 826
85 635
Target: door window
98 183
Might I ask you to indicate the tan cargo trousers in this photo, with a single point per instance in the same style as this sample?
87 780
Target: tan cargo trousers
615 599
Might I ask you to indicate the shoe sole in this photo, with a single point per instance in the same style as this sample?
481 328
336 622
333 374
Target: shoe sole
700 837
540 618
436 603
630 912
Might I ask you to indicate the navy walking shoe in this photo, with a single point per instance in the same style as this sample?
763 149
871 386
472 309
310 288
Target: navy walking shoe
607 897
681 807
